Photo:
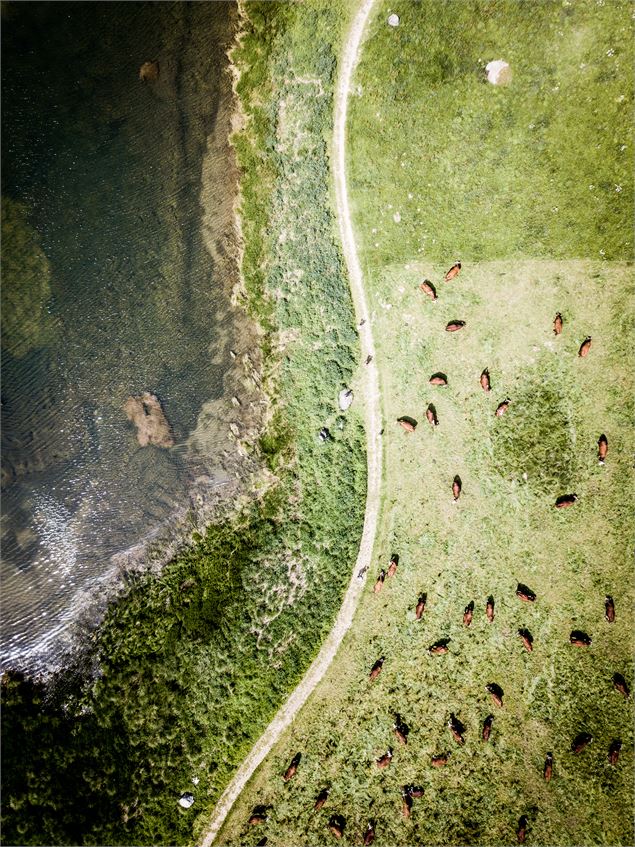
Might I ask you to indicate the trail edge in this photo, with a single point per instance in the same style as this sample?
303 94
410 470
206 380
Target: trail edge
321 663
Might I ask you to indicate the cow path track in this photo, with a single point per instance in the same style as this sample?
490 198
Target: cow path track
321 663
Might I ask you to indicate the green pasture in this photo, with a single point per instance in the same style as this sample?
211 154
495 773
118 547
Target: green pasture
499 179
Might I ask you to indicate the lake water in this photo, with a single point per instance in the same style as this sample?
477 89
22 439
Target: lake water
117 274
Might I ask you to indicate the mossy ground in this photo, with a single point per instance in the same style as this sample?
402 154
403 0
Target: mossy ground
478 184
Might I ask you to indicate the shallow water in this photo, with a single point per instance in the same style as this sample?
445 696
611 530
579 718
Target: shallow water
128 278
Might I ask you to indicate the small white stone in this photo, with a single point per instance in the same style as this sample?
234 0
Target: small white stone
499 72
393 20
397 217
186 800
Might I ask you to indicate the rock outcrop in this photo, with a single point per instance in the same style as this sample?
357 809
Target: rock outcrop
146 414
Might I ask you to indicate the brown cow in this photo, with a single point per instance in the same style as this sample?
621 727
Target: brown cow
406 802
401 730
521 832
557 324
525 593
456 488
429 289
392 567
321 799
502 408
609 608
487 727
455 326
565 500
527 639
486 385
548 768
258 816
580 741
457 729
336 825
380 581
415 791
431 415
439 647
421 606
293 767
620 684
614 751
454 271
376 669
384 761
438 379
369 837
441 760
489 609
496 693
468 613
585 347
603 448
407 423
580 639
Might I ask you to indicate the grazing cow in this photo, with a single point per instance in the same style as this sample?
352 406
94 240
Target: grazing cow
392 567
487 727
502 408
336 825
525 593
415 791
620 684
421 606
407 423
609 608
321 799
406 802
376 669
486 385
457 729
384 761
369 837
456 488
439 647
614 751
401 730
557 324
468 613
521 832
496 692
454 271
263 841
455 326
580 741
441 760
380 581
565 500
527 639
603 448
293 767
585 347
438 379
369 359
258 816
580 639
429 289
431 415
548 768
489 609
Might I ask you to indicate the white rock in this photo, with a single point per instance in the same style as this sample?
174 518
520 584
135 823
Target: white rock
393 20
186 800
396 217
345 398
499 72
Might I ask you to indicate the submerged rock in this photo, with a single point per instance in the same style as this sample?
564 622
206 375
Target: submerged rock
499 72
146 414
345 398
149 72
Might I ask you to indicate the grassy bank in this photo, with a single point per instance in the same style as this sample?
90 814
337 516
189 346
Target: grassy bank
194 663
492 177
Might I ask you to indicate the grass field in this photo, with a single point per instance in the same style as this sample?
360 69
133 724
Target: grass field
509 196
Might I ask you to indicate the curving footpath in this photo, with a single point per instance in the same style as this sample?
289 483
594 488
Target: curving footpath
320 665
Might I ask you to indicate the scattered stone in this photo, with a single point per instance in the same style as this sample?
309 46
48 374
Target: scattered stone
146 414
236 401
499 72
186 800
149 71
396 217
345 398
393 20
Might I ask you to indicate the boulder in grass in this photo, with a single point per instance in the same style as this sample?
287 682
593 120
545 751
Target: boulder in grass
498 72
393 20
345 398
186 800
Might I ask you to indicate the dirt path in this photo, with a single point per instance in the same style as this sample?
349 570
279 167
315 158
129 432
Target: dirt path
370 390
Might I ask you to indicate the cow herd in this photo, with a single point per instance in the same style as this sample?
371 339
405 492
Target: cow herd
577 638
